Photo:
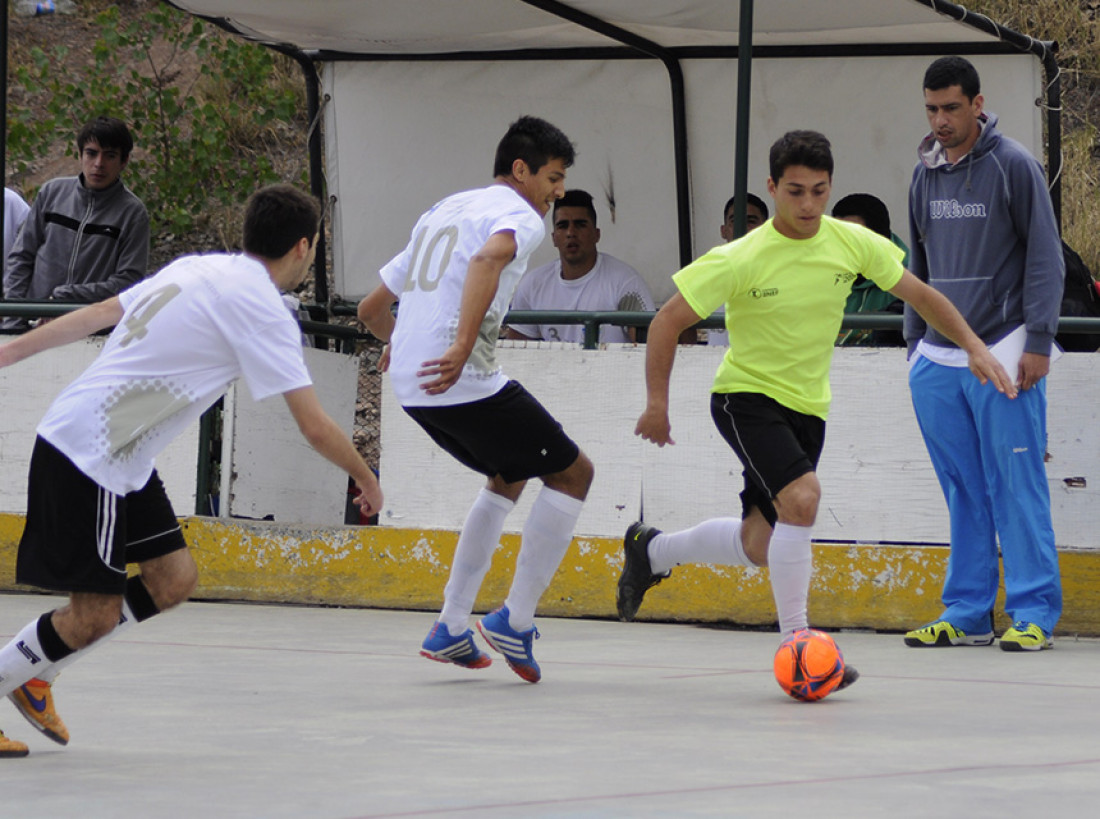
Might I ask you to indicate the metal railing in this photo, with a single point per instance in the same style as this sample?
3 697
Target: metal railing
345 337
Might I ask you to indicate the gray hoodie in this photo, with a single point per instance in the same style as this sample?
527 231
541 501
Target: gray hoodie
984 234
78 244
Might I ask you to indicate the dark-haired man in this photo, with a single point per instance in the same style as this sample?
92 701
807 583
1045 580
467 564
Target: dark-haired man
94 500
583 278
868 210
86 237
784 286
455 279
984 235
756 214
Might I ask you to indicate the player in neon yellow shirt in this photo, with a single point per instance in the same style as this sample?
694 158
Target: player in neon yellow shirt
784 298
784 286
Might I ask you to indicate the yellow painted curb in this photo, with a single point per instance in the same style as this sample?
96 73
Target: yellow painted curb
887 588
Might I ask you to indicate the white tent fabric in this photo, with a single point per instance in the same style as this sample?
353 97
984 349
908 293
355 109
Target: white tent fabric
391 167
402 27
401 133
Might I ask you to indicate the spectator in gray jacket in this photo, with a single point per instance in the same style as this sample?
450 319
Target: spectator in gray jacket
86 237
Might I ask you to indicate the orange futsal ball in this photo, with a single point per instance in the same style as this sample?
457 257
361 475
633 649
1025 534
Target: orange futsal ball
809 665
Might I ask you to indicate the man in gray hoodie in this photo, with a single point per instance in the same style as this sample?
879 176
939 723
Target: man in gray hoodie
984 234
86 237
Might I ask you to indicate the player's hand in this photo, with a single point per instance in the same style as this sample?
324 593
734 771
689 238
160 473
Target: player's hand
1032 368
987 368
443 372
653 426
369 499
384 359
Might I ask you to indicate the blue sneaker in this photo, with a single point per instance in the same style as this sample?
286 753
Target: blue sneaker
440 646
514 645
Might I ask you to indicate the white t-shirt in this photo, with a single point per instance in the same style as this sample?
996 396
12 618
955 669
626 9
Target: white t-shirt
15 211
610 285
428 277
185 335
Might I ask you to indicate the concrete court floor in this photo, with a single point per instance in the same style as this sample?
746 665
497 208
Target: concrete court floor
229 710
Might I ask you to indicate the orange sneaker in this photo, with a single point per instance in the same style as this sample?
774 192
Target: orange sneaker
35 702
12 747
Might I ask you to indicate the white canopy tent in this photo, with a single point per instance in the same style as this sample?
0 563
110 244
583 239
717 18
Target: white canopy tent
416 94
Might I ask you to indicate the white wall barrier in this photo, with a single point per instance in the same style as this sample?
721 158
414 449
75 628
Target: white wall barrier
878 484
267 467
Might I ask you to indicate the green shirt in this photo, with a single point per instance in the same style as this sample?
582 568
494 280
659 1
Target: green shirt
784 303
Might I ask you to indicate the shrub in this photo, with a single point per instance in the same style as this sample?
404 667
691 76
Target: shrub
200 149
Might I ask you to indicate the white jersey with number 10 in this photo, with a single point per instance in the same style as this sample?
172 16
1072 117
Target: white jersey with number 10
428 277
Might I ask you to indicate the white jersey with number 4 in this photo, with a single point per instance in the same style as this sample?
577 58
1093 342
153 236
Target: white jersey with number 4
428 277
185 335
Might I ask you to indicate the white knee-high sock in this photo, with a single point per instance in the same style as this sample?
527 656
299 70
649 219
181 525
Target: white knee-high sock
126 622
713 541
22 658
790 564
137 606
546 537
473 555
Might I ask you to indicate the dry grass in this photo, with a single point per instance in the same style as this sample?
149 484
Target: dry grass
1075 26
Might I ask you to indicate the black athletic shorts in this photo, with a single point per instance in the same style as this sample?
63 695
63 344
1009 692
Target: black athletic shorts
776 444
79 536
509 434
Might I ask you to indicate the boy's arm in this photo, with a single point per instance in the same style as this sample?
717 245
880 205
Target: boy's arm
664 331
376 312
482 279
323 434
937 310
63 330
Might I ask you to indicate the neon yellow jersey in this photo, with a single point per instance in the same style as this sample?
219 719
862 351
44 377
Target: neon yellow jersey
784 303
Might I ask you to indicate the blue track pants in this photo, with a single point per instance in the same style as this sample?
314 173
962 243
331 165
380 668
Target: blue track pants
988 452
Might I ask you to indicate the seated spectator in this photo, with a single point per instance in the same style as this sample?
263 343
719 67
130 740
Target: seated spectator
86 237
756 214
582 279
871 212
15 211
1081 298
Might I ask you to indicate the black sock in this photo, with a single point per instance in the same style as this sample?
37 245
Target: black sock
140 601
52 645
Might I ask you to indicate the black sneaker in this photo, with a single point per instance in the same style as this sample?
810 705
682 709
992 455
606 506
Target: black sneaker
850 676
637 577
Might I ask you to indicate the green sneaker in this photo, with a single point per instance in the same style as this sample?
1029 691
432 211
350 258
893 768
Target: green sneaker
1025 636
940 634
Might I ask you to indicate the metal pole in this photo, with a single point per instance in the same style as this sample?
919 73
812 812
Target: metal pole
741 134
3 112
679 105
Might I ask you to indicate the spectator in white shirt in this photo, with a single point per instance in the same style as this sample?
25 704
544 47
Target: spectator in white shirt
581 279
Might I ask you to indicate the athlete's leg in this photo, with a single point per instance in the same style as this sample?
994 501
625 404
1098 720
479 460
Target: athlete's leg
951 437
756 535
790 555
547 534
479 538
1013 445
170 579
90 620
716 541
